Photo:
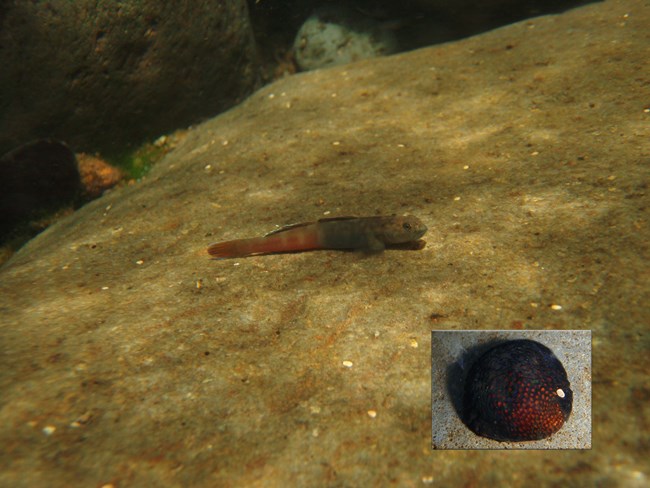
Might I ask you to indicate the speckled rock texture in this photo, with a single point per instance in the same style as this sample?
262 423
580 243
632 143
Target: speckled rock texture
128 358
333 36
103 75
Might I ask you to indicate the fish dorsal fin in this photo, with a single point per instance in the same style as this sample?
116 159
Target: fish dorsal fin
304 224
288 227
332 219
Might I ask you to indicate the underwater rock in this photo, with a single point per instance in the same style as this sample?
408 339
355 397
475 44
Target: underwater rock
97 175
129 357
37 177
109 75
517 391
336 35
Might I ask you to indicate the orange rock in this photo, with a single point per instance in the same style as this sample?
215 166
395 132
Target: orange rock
97 175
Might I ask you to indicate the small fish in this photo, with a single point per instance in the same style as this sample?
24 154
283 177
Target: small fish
363 233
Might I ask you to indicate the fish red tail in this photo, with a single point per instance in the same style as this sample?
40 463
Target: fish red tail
281 242
234 249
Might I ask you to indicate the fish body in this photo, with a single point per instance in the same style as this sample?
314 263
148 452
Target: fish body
363 233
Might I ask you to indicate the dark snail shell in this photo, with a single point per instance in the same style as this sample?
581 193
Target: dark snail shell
517 391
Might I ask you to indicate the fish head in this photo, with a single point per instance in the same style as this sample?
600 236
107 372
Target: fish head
400 229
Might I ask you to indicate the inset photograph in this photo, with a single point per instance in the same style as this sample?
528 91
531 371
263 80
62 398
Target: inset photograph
505 389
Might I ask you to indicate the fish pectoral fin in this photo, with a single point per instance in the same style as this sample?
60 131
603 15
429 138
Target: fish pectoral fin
375 245
288 227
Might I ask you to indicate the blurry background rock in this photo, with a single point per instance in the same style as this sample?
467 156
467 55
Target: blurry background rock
97 175
106 75
36 178
337 35
42 181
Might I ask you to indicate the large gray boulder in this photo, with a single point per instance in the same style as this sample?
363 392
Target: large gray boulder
130 358
103 75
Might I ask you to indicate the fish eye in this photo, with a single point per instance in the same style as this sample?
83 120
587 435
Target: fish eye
406 226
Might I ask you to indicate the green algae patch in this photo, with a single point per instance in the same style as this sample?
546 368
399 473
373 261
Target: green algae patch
137 163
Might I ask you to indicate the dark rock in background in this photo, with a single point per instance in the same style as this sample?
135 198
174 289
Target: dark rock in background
35 178
104 75
42 181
